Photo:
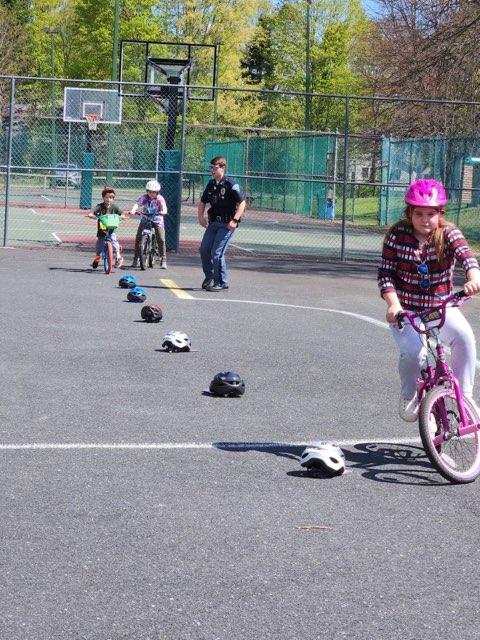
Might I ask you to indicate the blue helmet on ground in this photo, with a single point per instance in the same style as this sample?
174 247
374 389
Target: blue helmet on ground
137 294
127 281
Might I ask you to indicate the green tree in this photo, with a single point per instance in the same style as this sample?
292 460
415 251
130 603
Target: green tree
276 60
93 33
210 21
14 58
21 8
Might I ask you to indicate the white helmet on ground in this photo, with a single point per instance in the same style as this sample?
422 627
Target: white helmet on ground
176 341
153 185
325 457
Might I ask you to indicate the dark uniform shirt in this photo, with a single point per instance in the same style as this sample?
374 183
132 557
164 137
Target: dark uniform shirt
223 197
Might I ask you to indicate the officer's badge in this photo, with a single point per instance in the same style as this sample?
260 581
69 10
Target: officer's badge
222 191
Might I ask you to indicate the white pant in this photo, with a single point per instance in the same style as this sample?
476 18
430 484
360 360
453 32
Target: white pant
456 333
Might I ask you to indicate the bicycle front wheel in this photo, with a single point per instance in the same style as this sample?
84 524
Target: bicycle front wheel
144 251
455 457
153 251
107 257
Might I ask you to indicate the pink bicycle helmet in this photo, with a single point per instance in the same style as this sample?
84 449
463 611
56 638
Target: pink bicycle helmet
426 193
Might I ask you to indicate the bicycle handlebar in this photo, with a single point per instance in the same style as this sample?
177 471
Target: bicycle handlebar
431 314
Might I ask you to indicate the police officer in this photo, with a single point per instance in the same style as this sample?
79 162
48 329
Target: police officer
227 204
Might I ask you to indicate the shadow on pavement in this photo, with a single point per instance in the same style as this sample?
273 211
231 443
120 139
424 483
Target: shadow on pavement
381 462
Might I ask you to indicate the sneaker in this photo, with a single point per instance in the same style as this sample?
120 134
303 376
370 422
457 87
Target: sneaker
95 263
207 283
163 263
217 287
408 409
118 263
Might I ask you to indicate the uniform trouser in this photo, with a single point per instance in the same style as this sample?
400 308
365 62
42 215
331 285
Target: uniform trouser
455 333
212 251
115 244
159 234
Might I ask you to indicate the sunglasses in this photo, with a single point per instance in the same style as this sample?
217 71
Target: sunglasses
213 167
422 270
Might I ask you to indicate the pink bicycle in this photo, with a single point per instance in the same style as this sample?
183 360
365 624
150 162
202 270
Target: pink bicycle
448 422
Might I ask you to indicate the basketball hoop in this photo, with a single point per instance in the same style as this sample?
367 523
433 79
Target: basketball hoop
92 120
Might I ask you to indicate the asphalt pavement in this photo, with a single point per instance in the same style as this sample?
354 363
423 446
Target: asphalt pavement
136 506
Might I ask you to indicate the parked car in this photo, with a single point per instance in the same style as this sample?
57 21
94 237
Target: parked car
66 174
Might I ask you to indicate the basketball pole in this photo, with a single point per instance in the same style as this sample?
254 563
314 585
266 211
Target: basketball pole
114 76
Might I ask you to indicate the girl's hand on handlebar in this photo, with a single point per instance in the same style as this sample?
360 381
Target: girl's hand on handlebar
392 313
472 287
89 215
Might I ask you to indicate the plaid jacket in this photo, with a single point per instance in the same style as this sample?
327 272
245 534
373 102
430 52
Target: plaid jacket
401 256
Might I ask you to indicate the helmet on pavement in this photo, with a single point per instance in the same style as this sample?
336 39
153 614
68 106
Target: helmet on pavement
426 193
127 281
151 313
228 384
325 457
137 294
176 341
153 185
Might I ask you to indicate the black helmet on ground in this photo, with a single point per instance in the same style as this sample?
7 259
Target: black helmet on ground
227 384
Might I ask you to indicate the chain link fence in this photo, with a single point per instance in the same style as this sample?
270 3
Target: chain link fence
309 193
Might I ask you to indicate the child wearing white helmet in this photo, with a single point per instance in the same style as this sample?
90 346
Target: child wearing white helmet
152 207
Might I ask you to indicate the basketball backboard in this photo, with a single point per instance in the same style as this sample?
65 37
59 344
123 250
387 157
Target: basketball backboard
104 105
144 61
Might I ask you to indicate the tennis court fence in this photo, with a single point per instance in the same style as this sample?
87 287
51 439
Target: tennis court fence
329 189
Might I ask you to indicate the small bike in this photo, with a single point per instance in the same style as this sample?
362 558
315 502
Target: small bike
108 222
448 422
148 245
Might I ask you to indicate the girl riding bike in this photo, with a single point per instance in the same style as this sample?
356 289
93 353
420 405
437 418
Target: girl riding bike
416 272
153 208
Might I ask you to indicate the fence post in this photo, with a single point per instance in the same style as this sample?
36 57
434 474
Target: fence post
180 169
69 149
245 166
345 175
9 161
335 173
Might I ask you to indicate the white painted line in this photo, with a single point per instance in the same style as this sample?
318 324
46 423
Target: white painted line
59 240
46 197
35 212
168 446
237 246
359 316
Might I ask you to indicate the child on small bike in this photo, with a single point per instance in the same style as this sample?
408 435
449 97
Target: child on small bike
106 207
416 271
153 208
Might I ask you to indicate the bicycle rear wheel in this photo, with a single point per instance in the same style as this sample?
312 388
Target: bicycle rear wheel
144 251
455 457
107 256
